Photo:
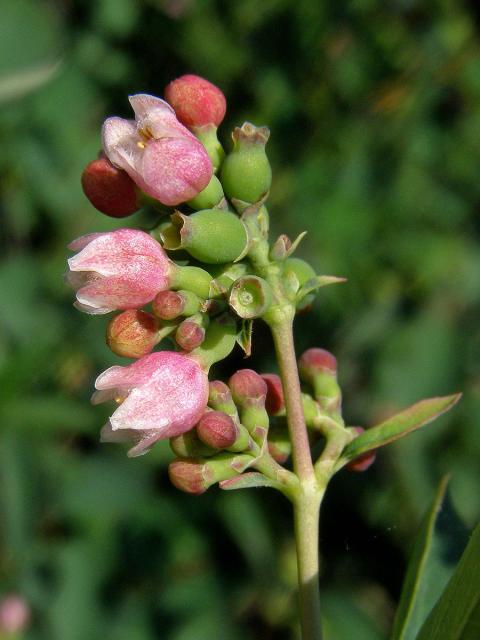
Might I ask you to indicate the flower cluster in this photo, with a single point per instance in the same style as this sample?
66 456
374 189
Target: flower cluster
203 302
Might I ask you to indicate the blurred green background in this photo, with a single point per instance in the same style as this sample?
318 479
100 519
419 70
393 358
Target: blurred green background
374 109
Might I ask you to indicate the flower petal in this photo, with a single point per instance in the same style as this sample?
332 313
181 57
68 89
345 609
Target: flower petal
122 144
171 402
175 169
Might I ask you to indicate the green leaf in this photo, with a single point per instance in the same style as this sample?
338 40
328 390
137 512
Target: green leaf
399 425
456 616
317 283
244 338
438 547
247 481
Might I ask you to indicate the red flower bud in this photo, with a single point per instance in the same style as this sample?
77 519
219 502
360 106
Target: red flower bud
109 189
132 333
248 388
196 101
275 400
316 360
168 305
188 474
218 393
363 462
190 334
217 430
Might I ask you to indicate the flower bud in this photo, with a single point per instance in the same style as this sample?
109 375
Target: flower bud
280 247
194 475
217 430
189 445
246 174
196 101
189 475
191 332
210 197
213 236
169 305
275 401
14 614
314 361
248 388
133 333
364 461
109 189
220 398
318 368
250 297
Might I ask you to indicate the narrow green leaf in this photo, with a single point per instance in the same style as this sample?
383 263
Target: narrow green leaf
247 481
399 425
317 283
244 338
438 547
456 616
295 243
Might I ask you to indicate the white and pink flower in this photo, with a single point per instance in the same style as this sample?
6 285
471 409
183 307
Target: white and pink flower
122 269
162 395
160 155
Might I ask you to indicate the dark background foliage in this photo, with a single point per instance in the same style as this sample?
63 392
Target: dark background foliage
374 109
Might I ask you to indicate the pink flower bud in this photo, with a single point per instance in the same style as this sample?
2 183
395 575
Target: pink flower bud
197 102
275 400
363 462
190 333
161 395
109 189
160 155
169 305
132 333
217 430
14 614
122 269
189 475
248 388
316 360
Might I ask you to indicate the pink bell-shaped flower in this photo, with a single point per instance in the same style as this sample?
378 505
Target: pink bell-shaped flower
162 395
122 269
160 155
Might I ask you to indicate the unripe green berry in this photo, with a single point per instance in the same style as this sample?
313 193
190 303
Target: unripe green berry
246 174
212 236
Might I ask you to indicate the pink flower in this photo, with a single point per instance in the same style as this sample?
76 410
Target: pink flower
161 395
160 155
122 269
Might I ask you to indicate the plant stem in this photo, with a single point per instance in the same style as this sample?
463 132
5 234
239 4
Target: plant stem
306 500
287 362
306 516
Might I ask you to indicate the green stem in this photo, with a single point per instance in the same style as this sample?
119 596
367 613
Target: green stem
282 333
306 509
308 497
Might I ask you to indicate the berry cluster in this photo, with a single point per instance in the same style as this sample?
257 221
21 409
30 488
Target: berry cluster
198 279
